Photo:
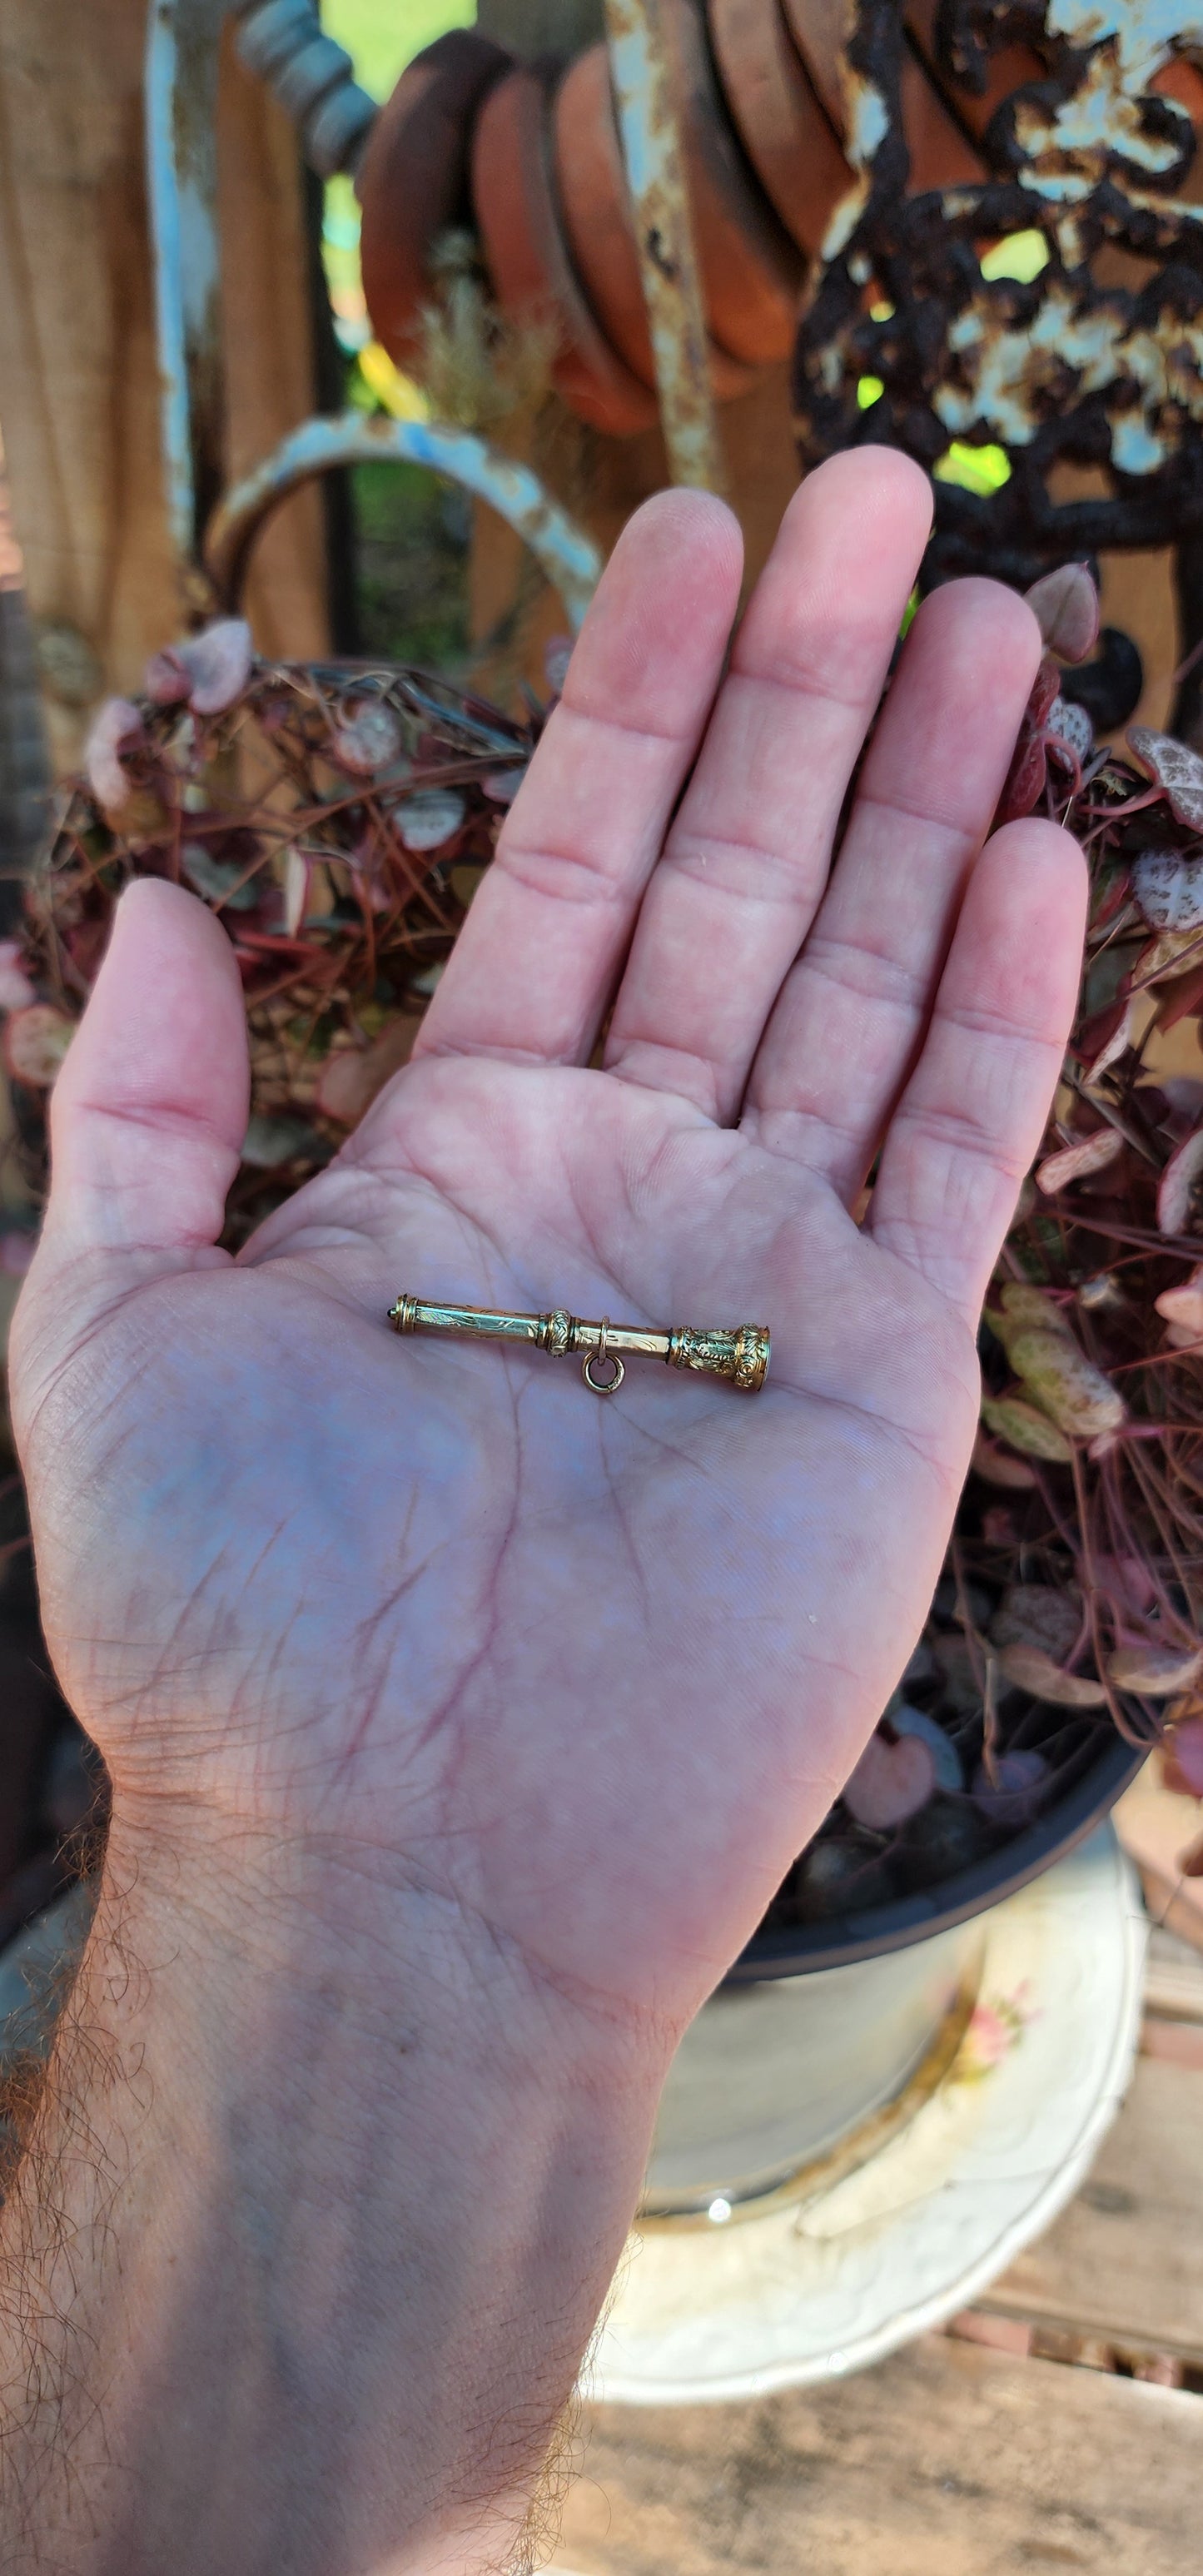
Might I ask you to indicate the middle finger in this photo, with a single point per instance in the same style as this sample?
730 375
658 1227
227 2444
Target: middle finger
747 859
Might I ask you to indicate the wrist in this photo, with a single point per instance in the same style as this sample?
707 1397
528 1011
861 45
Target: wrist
232 1916
361 2181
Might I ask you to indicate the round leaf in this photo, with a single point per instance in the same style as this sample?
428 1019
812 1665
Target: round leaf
1169 889
1176 1191
369 742
1032 1670
1069 723
916 1722
890 1782
995 1467
1027 1430
1183 1307
1018 1789
1175 767
1075 1162
35 1043
218 880
1038 1614
430 818
117 728
1155 1672
1066 605
1066 1385
218 664
1023 1306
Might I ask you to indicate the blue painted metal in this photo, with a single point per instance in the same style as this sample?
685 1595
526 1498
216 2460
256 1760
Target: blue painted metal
313 78
181 161
569 558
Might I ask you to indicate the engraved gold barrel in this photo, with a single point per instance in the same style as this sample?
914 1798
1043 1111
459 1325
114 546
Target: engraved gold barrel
418 1315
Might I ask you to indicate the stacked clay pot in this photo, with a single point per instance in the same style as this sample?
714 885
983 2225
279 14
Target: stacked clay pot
529 156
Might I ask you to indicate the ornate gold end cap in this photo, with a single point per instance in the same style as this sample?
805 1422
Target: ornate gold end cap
752 1352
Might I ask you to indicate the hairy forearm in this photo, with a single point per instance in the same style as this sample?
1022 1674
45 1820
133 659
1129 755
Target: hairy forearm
312 2228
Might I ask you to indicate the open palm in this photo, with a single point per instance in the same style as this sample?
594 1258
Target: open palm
592 1672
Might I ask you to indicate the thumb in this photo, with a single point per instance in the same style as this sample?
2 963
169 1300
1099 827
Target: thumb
150 1109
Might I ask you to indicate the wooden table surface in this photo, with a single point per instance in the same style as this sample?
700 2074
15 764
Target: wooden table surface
1058 2424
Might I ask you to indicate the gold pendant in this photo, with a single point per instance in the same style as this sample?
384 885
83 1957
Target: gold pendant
741 1355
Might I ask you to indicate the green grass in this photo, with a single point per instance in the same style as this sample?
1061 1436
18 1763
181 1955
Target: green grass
412 533
977 469
413 536
382 36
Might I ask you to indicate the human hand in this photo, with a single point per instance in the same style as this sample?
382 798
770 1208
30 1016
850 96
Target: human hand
590 1673
460 1725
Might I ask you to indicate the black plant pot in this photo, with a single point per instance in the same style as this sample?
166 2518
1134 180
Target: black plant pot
795 1949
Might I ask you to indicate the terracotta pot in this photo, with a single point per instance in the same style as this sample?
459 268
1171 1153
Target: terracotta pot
751 270
782 127
599 225
820 30
527 255
414 181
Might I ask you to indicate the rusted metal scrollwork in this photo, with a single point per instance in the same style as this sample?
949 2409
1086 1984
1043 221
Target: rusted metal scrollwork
1081 113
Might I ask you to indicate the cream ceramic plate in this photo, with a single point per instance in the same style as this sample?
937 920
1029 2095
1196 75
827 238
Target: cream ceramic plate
807 2294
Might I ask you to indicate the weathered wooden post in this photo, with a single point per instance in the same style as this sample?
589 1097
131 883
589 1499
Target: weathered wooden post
80 396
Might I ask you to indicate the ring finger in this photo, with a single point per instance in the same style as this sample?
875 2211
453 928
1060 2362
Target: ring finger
853 1010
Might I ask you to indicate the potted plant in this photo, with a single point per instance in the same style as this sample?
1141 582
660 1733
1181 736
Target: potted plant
337 819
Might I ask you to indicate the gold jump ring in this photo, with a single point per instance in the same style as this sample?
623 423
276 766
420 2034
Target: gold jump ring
612 1384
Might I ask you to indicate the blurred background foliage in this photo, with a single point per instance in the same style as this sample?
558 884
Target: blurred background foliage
384 35
412 534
